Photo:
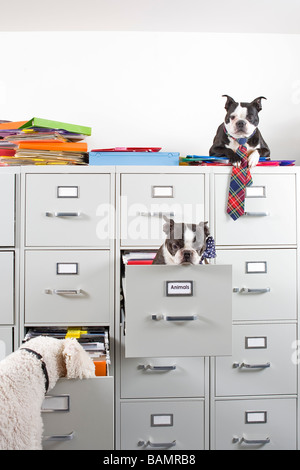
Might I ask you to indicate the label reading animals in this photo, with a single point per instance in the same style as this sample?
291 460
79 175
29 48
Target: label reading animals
179 288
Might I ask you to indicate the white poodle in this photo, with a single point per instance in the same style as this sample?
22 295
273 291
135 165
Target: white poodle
24 378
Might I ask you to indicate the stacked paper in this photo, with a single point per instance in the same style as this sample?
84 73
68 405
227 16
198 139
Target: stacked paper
196 160
138 257
94 340
43 142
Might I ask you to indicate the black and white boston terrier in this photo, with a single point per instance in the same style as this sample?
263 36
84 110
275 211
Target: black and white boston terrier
241 121
184 244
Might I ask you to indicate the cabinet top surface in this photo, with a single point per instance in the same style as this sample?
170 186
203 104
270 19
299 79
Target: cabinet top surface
141 169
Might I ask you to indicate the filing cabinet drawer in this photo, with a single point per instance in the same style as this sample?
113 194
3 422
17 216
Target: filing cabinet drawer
178 310
7 210
67 286
154 377
6 287
78 414
146 198
268 424
271 207
261 362
158 425
68 210
264 283
6 341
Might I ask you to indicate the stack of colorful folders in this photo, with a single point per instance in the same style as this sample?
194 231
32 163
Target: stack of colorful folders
196 160
43 142
138 257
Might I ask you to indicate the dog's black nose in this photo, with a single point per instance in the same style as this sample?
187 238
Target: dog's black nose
187 256
240 124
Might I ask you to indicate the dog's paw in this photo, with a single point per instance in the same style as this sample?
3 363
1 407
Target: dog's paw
253 159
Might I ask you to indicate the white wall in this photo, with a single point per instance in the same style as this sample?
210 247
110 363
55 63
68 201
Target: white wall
153 89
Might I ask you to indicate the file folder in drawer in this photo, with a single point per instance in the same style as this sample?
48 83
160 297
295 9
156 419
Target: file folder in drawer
94 340
134 158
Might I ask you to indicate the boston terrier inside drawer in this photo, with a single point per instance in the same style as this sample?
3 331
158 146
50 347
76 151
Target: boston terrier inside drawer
185 244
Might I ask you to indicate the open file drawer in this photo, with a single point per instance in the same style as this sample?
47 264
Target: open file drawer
178 310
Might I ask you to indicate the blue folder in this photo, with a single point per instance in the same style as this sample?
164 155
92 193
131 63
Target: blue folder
134 158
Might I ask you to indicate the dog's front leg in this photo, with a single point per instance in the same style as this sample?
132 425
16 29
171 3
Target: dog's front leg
253 158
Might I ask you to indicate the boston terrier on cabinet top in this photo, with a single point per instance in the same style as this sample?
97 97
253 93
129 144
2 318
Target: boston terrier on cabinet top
241 122
184 244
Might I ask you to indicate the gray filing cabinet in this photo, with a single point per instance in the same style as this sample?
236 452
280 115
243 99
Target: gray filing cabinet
255 391
61 245
9 179
164 339
68 281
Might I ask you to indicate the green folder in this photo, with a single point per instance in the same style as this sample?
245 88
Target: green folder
39 122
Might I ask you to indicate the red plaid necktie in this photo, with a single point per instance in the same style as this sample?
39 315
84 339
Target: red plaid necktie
240 179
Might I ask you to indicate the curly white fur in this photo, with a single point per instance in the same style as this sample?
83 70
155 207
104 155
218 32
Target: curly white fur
22 387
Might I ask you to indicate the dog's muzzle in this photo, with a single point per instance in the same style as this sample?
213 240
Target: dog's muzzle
44 368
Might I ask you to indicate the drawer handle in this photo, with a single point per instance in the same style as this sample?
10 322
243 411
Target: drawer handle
156 368
156 214
257 214
242 440
60 437
163 445
175 318
62 214
243 365
246 290
63 291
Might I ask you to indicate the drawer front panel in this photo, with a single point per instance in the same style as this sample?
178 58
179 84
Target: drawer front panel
55 293
68 210
146 198
268 424
7 210
162 377
6 287
6 341
271 218
261 362
165 425
161 325
76 413
264 283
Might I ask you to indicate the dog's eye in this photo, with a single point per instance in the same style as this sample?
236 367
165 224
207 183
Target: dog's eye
174 246
232 117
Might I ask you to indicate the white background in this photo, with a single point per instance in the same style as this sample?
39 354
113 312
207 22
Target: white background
153 88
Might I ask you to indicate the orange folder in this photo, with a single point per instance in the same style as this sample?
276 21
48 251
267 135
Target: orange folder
12 125
59 146
100 368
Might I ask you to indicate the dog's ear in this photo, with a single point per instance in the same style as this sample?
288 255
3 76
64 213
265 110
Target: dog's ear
78 363
205 227
168 226
257 102
229 101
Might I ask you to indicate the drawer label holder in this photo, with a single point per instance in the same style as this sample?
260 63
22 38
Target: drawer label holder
179 288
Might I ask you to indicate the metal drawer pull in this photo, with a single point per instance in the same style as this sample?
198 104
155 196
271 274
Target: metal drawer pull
175 318
261 442
63 291
257 214
62 214
236 365
156 368
163 445
156 214
246 290
62 437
